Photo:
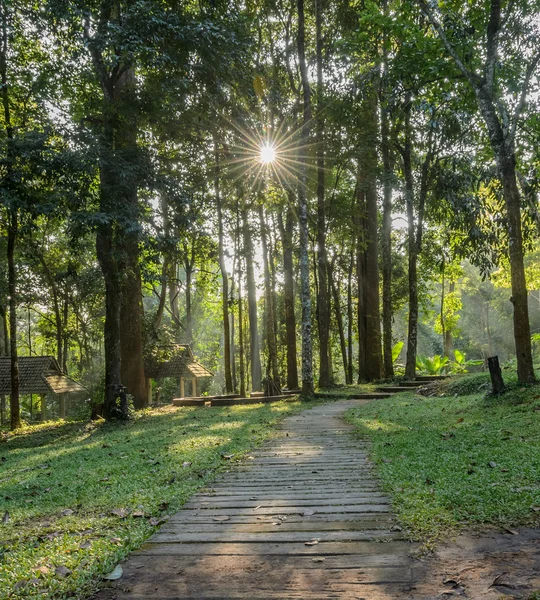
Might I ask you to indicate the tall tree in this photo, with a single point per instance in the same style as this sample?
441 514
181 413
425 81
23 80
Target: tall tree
305 291
323 303
501 94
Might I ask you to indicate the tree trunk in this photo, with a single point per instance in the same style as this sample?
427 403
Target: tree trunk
369 327
256 376
286 231
522 330
412 335
339 318
13 230
386 235
14 404
241 367
131 309
305 293
189 306
323 303
272 368
350 315
224 280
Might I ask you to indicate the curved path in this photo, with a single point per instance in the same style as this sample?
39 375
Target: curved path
303 518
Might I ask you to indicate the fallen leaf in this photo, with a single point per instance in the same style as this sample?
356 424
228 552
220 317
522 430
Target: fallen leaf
5 518
512 531
115 574
308 513
116 540
500 580
492 464
164 506
67 512
318 559
222 519
186 464
535 508
460 420
122 513
451 582
20 584
62 571
257 507
312 542
227 456
43 570
85 545
137 514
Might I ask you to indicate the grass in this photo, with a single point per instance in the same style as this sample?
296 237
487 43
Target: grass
80 496
454 460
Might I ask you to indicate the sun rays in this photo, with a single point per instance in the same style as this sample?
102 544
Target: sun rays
253 158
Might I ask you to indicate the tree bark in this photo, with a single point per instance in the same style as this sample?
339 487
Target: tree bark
14 404
13 229
272 368
286 230
339 318
369 327
386 233
256 371
241 354
224 280
131 309
323 303
305 293
350 318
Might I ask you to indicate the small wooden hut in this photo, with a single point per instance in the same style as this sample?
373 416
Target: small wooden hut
178 362
40 375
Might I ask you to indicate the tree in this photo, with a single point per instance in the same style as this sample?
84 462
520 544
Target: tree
503 34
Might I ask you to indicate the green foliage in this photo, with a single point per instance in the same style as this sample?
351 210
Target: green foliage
461 364
396 350
60 499
432 366
450 462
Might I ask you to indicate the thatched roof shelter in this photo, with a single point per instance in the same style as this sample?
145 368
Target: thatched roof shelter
175 361
38 375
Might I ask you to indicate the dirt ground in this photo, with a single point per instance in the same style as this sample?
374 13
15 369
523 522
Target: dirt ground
482 566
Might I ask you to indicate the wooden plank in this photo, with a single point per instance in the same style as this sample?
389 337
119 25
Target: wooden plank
275 524
277 535
279 502
285 549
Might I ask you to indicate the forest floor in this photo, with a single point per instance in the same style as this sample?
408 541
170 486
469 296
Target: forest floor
463 472
78 497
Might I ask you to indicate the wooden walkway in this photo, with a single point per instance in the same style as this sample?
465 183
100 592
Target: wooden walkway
304 518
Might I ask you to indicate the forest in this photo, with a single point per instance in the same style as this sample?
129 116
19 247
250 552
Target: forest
312 194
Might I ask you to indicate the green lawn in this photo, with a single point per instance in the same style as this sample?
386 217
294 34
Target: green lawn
451 461
80 496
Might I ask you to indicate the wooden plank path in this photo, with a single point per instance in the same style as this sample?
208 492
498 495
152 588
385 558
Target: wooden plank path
303 518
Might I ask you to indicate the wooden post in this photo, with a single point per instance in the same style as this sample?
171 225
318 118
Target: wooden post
182 388
497 382
194 387
43 407
62 408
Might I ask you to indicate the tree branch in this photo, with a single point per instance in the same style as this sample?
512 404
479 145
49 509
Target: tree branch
523 96
469 75
493 29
